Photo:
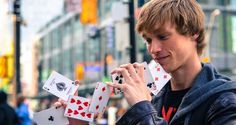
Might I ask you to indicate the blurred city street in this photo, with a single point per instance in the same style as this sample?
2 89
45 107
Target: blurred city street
84 40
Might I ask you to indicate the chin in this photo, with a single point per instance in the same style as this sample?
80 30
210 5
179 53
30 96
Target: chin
165 67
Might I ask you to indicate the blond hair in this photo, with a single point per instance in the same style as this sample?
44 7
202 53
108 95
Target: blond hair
186 15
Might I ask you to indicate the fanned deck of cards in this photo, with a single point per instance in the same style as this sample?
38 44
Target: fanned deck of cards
77 107
82 108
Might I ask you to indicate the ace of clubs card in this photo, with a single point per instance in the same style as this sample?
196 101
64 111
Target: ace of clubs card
100 98
60 86
51 116
77 108
149 81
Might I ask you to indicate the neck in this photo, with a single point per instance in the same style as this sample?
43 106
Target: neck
183 77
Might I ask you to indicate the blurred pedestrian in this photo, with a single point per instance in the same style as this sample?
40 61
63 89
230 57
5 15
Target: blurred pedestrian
22 111
7 113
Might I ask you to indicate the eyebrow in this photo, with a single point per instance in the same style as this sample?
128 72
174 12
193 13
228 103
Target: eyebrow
160 31
157 32
144 35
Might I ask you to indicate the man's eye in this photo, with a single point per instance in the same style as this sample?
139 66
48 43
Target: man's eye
162 37
148 40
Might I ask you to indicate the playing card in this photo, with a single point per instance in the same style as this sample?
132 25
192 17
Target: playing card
77 108
160 76
100 98
51 116
60 86
117 78
149 79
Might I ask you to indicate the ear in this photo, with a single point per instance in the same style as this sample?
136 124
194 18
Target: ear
195 36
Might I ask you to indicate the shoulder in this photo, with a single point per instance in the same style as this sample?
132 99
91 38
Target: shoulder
226 98
224 104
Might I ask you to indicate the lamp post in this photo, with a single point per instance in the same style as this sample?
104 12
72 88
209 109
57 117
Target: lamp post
17 23
206 54
132 32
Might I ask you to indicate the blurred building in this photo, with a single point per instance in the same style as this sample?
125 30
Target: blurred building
85 51
88 48
35 14
222 41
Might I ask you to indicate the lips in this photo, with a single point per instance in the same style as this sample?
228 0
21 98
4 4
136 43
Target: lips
160 59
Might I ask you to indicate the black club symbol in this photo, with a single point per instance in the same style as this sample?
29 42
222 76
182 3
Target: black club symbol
51 118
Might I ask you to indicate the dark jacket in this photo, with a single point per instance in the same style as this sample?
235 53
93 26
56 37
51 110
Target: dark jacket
7 115
210 101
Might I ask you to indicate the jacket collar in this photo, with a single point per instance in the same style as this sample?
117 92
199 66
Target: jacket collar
207 83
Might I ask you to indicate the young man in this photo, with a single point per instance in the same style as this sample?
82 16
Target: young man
196 94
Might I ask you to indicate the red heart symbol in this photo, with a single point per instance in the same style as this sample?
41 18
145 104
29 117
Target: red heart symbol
80 108
72 100
158 69
69 111
89 115
156 78
97 107
85 103
76 112
103 89
100 98
83 114
78 102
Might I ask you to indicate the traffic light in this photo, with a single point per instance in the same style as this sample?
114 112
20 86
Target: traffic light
17 4
89 12
109 59
10 67
79 72
3 67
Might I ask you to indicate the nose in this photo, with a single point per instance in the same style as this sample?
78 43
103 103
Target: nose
155 47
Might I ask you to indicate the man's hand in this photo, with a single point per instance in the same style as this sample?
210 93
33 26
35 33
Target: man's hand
133 87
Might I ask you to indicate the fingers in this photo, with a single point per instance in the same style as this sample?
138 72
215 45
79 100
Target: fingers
77 82
139 69
124 72
57 104
60 103
127 70
119 86
131 70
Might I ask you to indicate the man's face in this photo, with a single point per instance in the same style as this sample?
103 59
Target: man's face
169 48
